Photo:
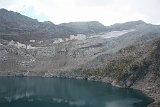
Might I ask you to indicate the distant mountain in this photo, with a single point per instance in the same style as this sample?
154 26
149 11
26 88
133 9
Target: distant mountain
127 25
17 27
14 19
84 27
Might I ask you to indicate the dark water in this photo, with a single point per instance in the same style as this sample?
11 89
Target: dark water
59 92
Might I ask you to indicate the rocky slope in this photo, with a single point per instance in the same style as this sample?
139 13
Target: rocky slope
125 55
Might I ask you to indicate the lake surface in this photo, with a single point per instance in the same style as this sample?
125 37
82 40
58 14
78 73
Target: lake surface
61 92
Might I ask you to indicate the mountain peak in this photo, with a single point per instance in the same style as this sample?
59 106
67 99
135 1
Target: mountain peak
127 25
3 9
11 15
84 27
82 23
131 23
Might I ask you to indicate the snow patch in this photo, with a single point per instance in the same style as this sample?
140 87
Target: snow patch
113 34
20 45
78 37
30 47
59 40
32 41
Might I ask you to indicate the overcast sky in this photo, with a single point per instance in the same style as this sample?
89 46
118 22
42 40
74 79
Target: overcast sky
105 11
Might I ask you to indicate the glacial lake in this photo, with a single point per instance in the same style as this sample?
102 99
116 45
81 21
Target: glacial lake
62 92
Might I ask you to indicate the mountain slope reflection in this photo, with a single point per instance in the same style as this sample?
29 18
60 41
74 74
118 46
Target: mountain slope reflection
60 92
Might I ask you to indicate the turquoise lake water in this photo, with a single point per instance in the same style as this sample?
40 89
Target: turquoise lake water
61 92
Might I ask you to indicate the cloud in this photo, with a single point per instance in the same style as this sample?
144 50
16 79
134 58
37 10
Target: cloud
150 8
106 11
91 3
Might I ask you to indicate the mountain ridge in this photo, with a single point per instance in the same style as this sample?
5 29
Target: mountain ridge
24 28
